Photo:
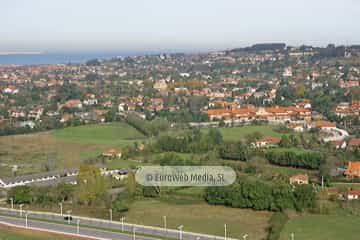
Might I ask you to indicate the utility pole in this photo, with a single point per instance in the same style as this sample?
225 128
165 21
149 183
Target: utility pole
225 233
110 214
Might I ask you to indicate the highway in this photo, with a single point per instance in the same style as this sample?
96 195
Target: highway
86 224
70 229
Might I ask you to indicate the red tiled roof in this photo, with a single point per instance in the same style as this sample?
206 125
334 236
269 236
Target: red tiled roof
302 177
324 124
269 139
354 192
354 142
352 167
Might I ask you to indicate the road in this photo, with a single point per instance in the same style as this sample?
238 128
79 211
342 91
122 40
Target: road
112 225
337 134
70 229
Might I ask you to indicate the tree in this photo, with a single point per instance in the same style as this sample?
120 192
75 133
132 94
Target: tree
131 183
285 142
20 194
305 197
235 151
215 137
91 186
252 137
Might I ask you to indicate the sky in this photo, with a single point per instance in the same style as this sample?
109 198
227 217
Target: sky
140 25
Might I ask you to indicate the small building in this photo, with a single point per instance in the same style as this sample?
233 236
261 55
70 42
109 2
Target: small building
299 179
66 117
112 153
324 125
296 127
353 194
338 144
90 99
11 89
353 169
73 103
267 142
354 143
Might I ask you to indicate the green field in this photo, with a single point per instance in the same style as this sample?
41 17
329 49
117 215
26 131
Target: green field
66 148
112 133
9 233
201 218
238 133
322 227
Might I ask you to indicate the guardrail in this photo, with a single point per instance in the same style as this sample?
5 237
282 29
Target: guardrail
115 225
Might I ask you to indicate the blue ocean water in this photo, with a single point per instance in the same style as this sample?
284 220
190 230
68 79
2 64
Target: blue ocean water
61 57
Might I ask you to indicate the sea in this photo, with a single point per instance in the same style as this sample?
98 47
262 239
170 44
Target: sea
62 57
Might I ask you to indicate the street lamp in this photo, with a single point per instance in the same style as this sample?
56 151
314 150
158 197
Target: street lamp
122 223
26 219
78 226
68 215
21 206
61 208
110 214
180 231
134 234
165 225
292 236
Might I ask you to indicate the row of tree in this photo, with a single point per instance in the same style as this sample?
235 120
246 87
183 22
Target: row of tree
148 128
295 158
41 195
261 195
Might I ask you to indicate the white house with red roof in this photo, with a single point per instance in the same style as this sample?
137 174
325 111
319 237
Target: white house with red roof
11 89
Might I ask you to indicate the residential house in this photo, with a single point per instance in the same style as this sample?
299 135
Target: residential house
11 89
66 117
339 144
353 194
353 169
113 153
296 127
160 85
90 99
324 125
73 103
299 179
354 143
267 142
16 113
35 113
348 84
